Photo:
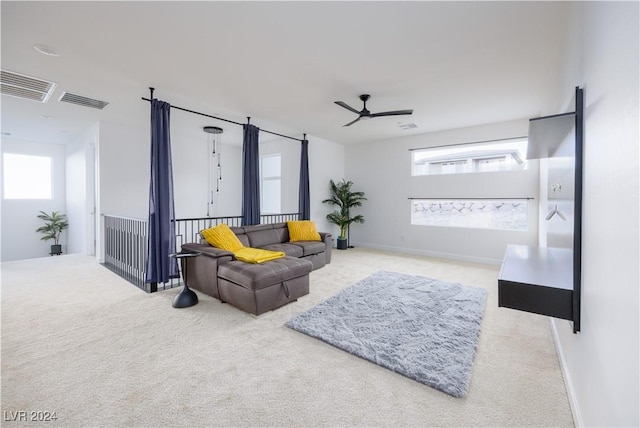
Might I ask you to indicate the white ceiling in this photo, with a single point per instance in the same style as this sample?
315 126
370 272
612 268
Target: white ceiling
456 64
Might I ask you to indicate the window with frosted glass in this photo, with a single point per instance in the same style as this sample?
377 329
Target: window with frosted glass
501 214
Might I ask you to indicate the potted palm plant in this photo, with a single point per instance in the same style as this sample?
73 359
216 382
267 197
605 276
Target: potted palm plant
344 199
55 223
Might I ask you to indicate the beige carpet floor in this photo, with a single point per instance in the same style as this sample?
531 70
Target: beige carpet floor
79 341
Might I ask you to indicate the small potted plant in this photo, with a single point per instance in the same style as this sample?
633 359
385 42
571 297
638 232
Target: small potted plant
344 198
55 223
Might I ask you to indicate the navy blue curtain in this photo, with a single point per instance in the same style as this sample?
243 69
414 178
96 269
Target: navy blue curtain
304 199
250 176
161 233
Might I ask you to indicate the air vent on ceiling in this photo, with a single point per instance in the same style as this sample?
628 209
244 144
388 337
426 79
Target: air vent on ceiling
406 126
68 97
26 87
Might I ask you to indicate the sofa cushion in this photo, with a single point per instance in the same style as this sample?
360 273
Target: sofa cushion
244 239
256 227
257 276
260 238
310 247
289 249
283 232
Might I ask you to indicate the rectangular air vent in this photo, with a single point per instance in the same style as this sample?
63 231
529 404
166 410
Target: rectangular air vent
406 126
68 97
26 87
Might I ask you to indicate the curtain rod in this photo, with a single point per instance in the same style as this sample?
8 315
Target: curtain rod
472 142
224 120
474 199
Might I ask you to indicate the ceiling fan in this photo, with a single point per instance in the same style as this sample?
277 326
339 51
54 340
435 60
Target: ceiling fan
366 114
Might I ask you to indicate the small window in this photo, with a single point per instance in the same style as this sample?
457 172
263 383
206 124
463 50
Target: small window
471 213
476 157
271 184
27 177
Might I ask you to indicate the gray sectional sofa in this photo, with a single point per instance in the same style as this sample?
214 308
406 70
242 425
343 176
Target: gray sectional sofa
257 288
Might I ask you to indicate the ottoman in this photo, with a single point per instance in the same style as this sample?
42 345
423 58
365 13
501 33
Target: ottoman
260 288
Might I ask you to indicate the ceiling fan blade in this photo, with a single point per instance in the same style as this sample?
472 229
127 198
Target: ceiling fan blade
392 113
348 107
351 123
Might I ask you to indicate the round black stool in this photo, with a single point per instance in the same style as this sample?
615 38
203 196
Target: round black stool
186 297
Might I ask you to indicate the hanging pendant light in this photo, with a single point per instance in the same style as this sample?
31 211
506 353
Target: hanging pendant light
214 169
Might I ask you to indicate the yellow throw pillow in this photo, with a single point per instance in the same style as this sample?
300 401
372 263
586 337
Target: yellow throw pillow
222 237
303 230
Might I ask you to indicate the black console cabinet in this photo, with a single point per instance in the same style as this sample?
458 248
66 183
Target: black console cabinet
546 280
538 280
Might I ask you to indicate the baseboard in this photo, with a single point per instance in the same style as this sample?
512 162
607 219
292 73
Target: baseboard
573 402
435 254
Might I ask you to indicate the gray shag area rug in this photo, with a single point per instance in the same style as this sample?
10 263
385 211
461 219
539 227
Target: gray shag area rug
419 327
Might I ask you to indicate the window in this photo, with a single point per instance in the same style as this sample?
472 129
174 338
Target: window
27 177
471 213
270 178
508 155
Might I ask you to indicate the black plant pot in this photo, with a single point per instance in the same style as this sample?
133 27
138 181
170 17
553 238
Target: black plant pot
341 244
56 249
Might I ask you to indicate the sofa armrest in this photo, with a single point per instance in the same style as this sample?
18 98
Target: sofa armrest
206 250
202 272
328 245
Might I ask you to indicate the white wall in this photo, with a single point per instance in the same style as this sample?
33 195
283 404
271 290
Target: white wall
601 362
327 161
123 159
123 170
19 222
190 176
383 171
230 195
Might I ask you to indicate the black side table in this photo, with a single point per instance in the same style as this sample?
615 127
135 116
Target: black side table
186 298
